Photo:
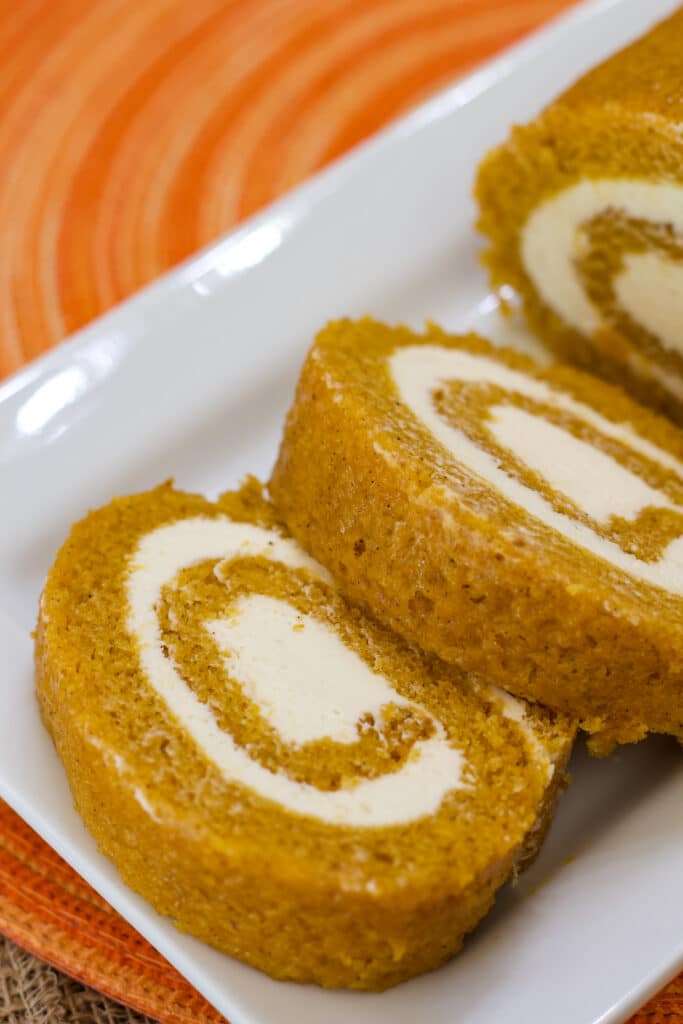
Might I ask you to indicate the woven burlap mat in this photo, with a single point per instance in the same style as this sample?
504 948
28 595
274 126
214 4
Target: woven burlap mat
32 992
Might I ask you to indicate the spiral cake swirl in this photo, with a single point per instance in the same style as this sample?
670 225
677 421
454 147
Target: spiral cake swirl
279 774
522 522
583 209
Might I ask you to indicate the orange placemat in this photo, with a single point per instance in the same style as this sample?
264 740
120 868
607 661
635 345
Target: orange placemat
133 133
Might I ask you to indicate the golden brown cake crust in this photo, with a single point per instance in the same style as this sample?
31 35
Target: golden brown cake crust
648 73
621 121
452 566
298 898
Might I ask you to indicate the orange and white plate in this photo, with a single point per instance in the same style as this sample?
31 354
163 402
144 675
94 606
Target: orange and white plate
192 379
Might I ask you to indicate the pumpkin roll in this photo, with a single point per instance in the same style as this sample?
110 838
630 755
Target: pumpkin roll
268 766
583 211
522 522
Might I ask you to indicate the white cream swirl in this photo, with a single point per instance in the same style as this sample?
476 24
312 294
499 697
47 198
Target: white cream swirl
307 682
649 286
591 479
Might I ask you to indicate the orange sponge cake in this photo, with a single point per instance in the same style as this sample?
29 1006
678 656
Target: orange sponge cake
525 523
278 773
583 209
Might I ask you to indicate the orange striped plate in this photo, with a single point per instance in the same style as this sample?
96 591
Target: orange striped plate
133 134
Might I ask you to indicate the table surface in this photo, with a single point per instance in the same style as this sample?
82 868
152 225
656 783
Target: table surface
132 135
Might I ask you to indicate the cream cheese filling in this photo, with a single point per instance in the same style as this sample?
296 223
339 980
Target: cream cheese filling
649 288
322 684
307 683
593 480
570 466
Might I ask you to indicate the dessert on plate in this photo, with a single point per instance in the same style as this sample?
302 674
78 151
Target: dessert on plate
271 768
583 212
521 521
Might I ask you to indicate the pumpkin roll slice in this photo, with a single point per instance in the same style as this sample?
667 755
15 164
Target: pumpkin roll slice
522 522
583 209
279 774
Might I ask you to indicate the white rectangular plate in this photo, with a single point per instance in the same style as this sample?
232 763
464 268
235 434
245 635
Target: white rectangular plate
192 378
